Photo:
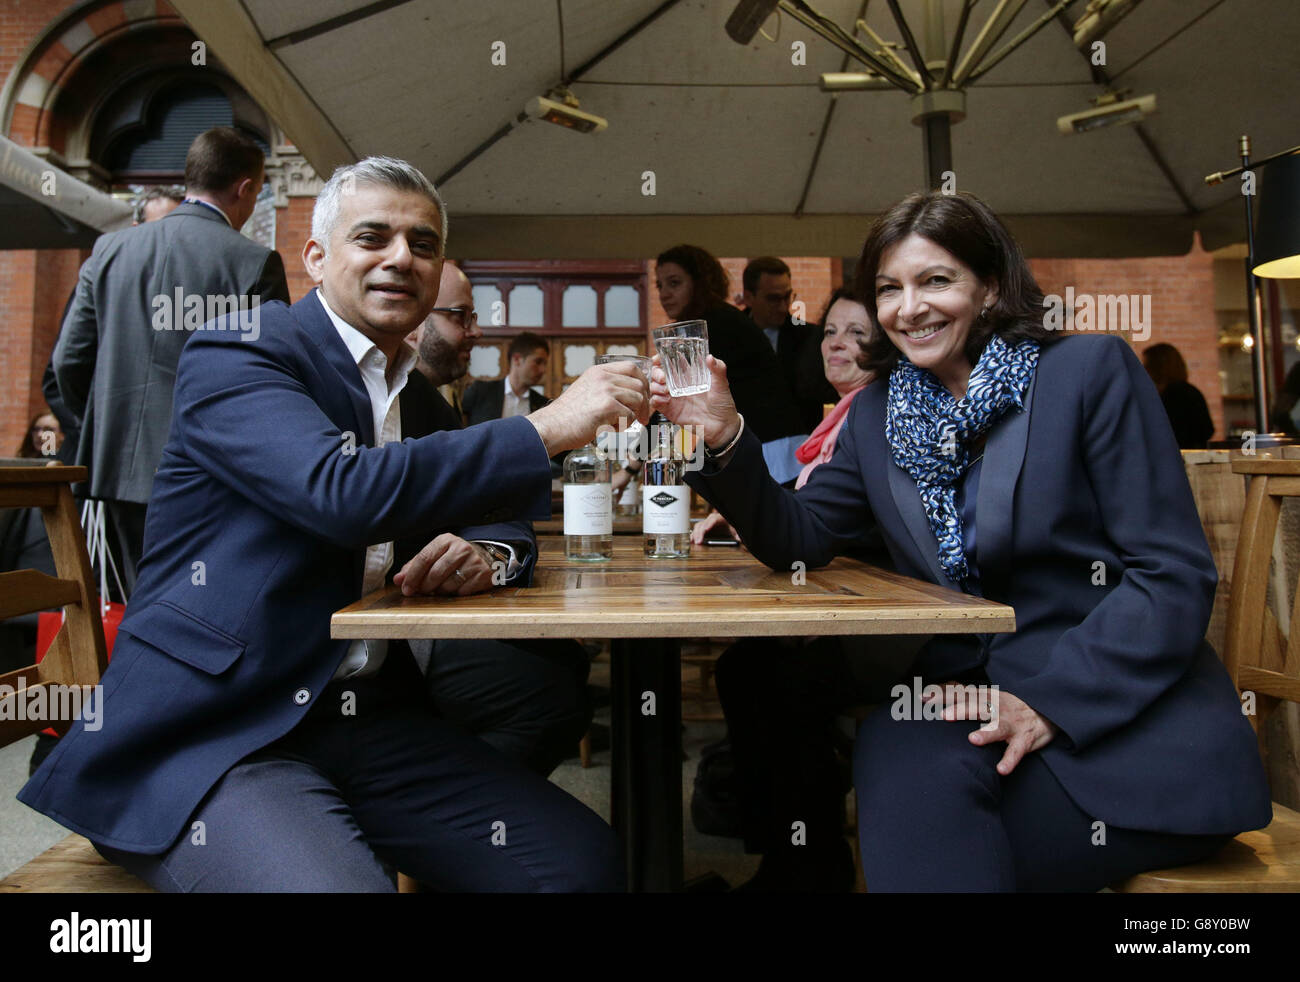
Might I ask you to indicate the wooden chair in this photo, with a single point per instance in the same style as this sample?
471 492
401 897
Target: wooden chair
76 657
1263 662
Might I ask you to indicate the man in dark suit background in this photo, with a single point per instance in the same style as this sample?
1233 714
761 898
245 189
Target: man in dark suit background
445 340
513 395
768 295
526 698
140 296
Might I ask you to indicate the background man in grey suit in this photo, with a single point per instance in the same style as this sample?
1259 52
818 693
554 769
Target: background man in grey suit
140 296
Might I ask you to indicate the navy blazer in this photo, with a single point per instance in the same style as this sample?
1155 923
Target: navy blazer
1152 736
268 493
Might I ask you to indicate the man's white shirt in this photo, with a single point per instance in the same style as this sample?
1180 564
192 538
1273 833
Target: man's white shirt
366 656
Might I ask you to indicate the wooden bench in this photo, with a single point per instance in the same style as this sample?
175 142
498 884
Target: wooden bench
77 656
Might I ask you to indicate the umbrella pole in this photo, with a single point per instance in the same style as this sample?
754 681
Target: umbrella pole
936 133
1253 306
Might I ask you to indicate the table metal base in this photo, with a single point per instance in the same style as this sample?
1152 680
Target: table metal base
646 749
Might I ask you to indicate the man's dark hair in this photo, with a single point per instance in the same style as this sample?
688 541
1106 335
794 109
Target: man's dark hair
220 157
157 193
968 229
525 344
755 269
709 282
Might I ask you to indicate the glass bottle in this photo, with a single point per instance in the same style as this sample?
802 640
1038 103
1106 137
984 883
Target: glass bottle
588 506
665 498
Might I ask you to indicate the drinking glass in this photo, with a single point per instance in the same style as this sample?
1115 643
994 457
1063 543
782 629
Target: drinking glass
683 348
641 361
630 442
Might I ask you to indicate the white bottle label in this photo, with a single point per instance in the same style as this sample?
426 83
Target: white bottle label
667 508
588 509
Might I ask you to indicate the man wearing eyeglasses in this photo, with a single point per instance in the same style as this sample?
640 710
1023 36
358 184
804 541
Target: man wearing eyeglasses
445 338
528 699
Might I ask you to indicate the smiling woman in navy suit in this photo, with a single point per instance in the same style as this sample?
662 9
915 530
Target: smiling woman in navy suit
1038 474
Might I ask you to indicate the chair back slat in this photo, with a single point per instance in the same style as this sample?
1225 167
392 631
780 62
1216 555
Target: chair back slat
1274 684
77 657
1259 655
26 591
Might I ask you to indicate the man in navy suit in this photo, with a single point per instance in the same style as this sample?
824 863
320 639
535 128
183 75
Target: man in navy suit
241 748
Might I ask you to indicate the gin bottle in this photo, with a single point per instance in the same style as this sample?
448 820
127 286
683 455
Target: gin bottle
665 498
588 506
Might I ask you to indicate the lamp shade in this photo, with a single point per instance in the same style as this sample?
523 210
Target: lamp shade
1277 240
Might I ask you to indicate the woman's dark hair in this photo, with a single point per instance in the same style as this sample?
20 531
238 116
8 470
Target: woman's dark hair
709 282
1164 364
845 292
968 229
28 447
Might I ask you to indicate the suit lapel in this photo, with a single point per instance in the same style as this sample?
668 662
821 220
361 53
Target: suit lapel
908 502
321 330
1004 455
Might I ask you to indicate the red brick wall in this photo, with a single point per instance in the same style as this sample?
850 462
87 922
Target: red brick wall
292 229
17 274
1182 306
21 21
33 285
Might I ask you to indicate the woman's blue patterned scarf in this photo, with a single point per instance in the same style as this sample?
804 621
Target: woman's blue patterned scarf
931 432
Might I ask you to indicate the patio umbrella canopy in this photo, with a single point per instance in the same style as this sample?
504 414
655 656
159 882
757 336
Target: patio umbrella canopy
727 135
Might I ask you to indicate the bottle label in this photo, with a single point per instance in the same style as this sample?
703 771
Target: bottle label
588 509
667 508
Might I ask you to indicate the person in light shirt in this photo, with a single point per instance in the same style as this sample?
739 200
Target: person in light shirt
513 395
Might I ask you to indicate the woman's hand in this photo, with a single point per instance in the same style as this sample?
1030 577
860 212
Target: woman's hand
711 521
713 412
1008 718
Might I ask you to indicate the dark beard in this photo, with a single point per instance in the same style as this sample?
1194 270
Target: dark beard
441 356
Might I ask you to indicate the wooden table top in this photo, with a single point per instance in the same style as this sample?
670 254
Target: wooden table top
718 592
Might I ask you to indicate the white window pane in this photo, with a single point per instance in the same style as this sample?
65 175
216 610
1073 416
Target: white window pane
621 349
622 307
488 304
578 358
485 361
526 306
579 307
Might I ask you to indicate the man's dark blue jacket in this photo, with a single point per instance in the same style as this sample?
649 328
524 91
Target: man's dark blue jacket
268 493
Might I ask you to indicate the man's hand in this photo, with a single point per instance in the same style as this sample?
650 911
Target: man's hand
600 397
447 565
714 412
